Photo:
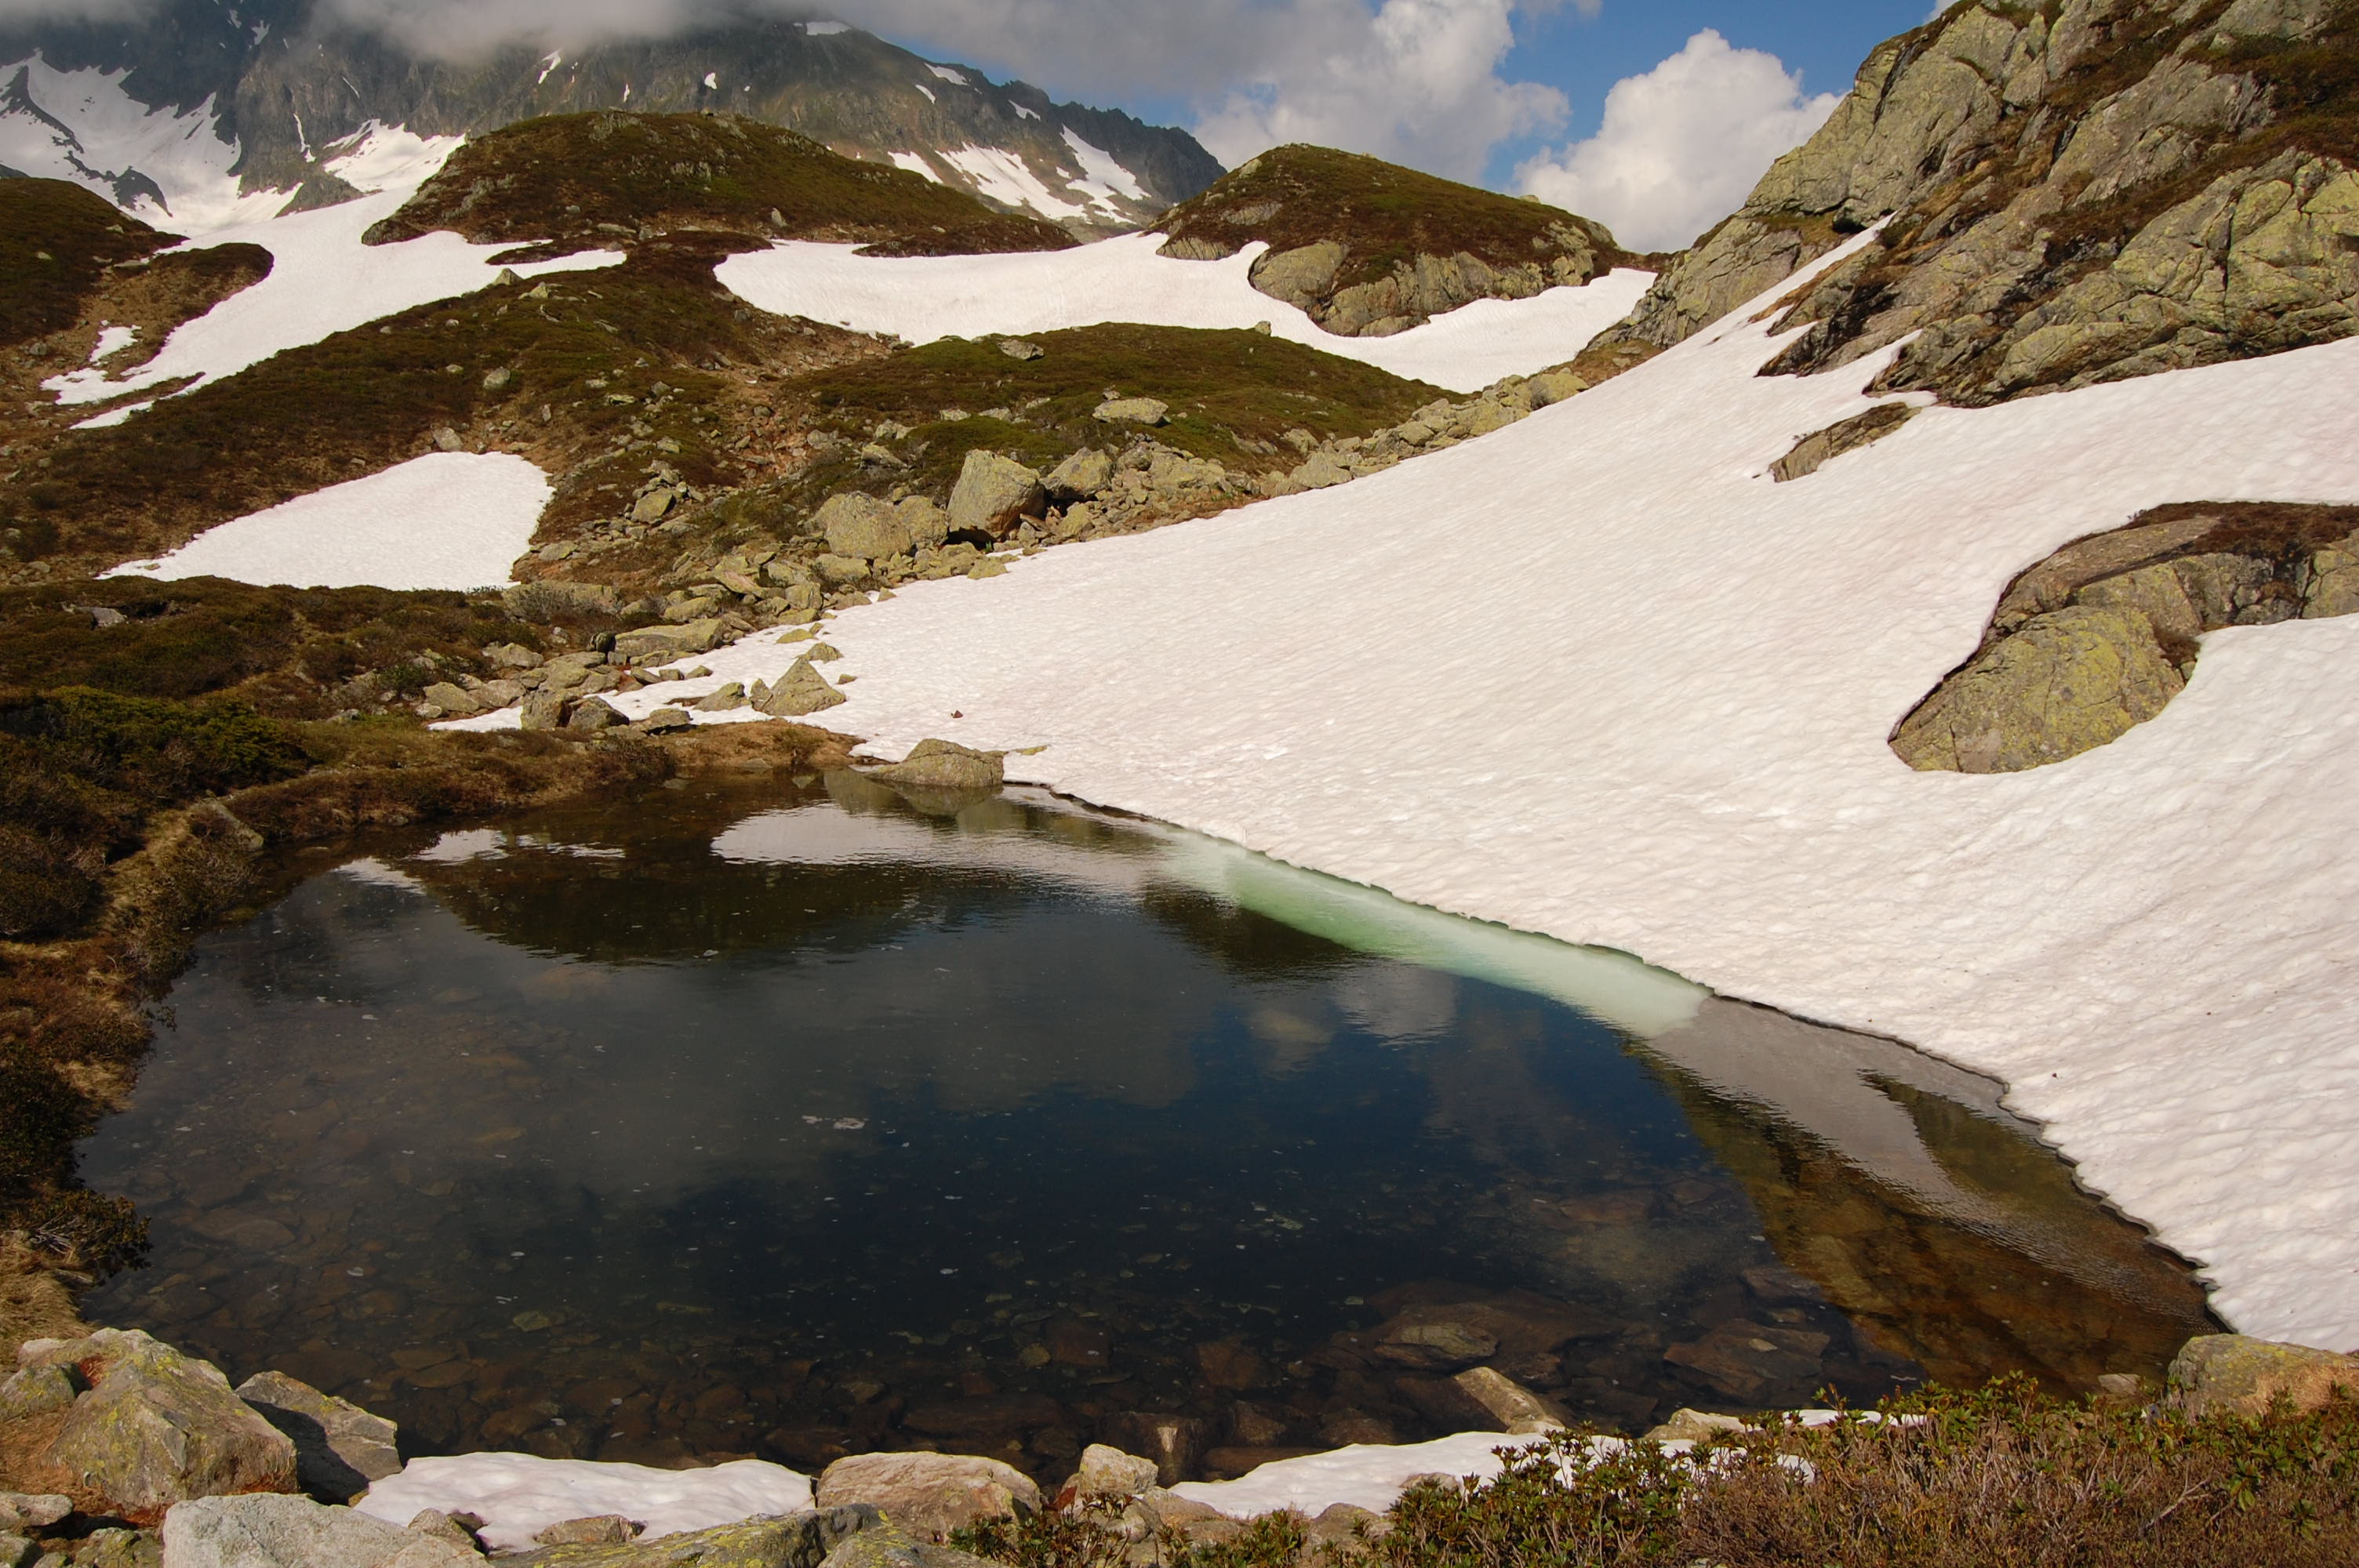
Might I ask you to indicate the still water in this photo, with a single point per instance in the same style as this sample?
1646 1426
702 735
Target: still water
789 1121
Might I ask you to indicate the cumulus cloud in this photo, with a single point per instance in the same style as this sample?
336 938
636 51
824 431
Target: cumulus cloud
1682 146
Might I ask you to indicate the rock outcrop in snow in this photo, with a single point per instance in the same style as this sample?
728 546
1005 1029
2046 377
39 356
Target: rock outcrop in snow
2077 194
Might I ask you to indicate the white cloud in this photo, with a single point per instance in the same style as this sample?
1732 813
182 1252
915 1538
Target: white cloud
1682 146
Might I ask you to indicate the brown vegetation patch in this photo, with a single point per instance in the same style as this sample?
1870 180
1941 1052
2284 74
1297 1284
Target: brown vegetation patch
609 177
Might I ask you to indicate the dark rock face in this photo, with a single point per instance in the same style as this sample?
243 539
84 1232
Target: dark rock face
2075 194
290 81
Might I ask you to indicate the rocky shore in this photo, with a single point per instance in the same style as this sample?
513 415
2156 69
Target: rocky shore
117 1451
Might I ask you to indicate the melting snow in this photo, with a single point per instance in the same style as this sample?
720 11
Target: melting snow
112 340
926 91
957 78
98 135
915 164
925 298
452 520
519 1495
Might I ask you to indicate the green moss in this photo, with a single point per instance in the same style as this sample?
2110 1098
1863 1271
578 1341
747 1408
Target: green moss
1381 213
600 178
57 240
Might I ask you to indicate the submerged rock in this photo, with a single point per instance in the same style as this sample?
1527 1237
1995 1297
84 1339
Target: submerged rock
944 765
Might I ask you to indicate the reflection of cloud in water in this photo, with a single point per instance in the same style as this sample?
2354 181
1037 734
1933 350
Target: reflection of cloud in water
374 872
1612 986
1397 1002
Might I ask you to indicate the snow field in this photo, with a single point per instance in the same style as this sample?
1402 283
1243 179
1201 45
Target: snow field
1648 692
925 298
451 520
519 1495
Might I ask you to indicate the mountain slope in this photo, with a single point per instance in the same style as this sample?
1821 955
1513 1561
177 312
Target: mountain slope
2076 193
257 95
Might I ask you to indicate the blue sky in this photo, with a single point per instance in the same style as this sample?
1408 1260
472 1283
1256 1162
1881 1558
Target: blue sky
1824 39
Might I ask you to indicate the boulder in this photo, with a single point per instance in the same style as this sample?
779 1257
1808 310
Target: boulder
22 1511
890 1548
654 645
801 690
553 598
19 1552
296 1532
929 1494
115 1547
663 720
2231 1374
593 714
1302 276
340 1448
36 1391
456 701
157 1427
991 493
1131 411
723 699
2067 682
1693 1426
1320 470
1175 1443
1551 387
543 711
926 523
1020 349
1084 474
861 527
944 765
1108 1473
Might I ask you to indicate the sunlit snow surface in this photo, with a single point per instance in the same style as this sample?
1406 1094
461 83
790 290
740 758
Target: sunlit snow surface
455 520
1596 676
925 298
519 1495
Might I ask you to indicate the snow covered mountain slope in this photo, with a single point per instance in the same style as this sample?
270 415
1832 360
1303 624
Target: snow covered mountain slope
925 298
1650 712
216 112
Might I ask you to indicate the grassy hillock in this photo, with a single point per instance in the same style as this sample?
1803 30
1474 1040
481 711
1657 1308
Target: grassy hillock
574 181
57 243
1234 395
588 349
1382 213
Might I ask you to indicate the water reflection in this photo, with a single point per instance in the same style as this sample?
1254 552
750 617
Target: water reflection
714 1122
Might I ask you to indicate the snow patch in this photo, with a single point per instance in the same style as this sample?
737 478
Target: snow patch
379 158
1006 177
1367 1475
549 65
112 340
712 81
323 280
926 298
1103 172
957 78
915 164
519 1495
926 91
113 416
826 30
450 520
1023 114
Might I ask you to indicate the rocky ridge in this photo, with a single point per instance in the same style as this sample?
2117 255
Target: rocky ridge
2068 194
289 86
1368 249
